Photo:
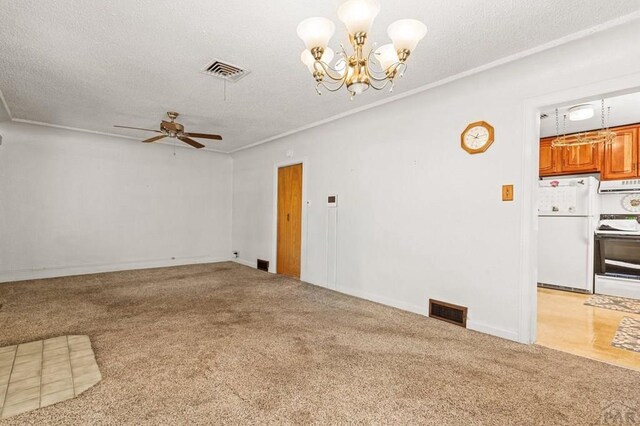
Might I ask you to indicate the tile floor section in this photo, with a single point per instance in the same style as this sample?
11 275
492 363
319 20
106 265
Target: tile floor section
37 374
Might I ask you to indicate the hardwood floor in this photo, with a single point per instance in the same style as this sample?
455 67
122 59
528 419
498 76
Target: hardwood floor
566 324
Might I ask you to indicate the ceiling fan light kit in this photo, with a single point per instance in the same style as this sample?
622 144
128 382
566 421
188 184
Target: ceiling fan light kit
358 71
173 129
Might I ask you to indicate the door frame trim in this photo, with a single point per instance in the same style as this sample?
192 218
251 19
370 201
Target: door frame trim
531 108
274 234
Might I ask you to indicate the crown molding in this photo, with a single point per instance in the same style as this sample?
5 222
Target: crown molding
114 135
507 59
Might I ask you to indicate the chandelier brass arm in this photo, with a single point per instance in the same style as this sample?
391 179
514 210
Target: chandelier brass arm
357 69
385 74
328 88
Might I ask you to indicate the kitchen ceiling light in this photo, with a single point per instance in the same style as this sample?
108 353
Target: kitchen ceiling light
581 112
358 71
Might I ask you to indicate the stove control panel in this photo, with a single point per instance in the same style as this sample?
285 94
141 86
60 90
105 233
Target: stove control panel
620 217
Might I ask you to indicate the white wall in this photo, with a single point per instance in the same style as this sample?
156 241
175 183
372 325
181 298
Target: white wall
418 217
73 202
612 204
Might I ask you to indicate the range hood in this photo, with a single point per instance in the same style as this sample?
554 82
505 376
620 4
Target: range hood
619 186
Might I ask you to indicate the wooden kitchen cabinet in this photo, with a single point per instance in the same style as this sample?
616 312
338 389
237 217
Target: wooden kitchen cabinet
580 159
621 156
619 159
568 159
548 157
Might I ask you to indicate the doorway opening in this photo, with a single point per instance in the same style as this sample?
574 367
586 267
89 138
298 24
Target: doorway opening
289 220
588 205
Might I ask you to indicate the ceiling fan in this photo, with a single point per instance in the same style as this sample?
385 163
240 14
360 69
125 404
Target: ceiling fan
173 129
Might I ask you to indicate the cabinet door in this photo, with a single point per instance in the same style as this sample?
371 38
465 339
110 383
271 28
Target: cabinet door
548 157
580 158
621 155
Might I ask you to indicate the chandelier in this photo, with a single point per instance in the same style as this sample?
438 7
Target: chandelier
604 135
358 71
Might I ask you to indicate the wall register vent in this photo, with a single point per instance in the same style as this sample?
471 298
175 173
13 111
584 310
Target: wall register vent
263 265
448 312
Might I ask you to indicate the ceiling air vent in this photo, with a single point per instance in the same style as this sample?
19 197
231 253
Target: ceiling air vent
448 312
224 70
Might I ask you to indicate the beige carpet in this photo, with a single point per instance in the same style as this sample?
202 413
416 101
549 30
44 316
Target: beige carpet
224 343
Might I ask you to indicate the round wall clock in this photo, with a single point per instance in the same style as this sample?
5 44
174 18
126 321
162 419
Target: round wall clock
477 137
631 203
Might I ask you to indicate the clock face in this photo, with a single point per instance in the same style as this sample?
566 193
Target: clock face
477 137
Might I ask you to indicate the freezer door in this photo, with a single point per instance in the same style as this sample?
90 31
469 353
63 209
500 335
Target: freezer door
568 197
565 252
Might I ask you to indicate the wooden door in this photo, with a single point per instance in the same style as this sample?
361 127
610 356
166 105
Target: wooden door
621 155
580 158
289 220
548 157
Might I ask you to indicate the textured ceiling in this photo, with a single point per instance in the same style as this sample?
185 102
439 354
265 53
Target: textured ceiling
93 64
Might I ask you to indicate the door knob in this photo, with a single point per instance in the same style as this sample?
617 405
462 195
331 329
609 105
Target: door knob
287 217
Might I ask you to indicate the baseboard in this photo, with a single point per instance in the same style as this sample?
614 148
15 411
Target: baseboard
53 272
416 309
486 329
246 263
424 310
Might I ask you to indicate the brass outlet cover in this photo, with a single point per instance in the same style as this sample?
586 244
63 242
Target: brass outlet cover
507 192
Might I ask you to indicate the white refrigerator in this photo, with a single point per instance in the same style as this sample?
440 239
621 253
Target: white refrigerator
568 214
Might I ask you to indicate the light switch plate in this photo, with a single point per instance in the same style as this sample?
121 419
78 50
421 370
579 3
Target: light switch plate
507 192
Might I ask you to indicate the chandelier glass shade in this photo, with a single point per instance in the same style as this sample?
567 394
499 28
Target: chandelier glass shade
358 71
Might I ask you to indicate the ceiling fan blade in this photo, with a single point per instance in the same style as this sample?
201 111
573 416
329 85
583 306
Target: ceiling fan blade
190 142
138 128
204 136
155 138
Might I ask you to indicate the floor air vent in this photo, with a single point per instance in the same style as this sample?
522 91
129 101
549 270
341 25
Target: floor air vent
224 70
448 312
263 265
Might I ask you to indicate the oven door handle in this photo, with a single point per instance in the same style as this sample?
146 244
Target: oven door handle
617 237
